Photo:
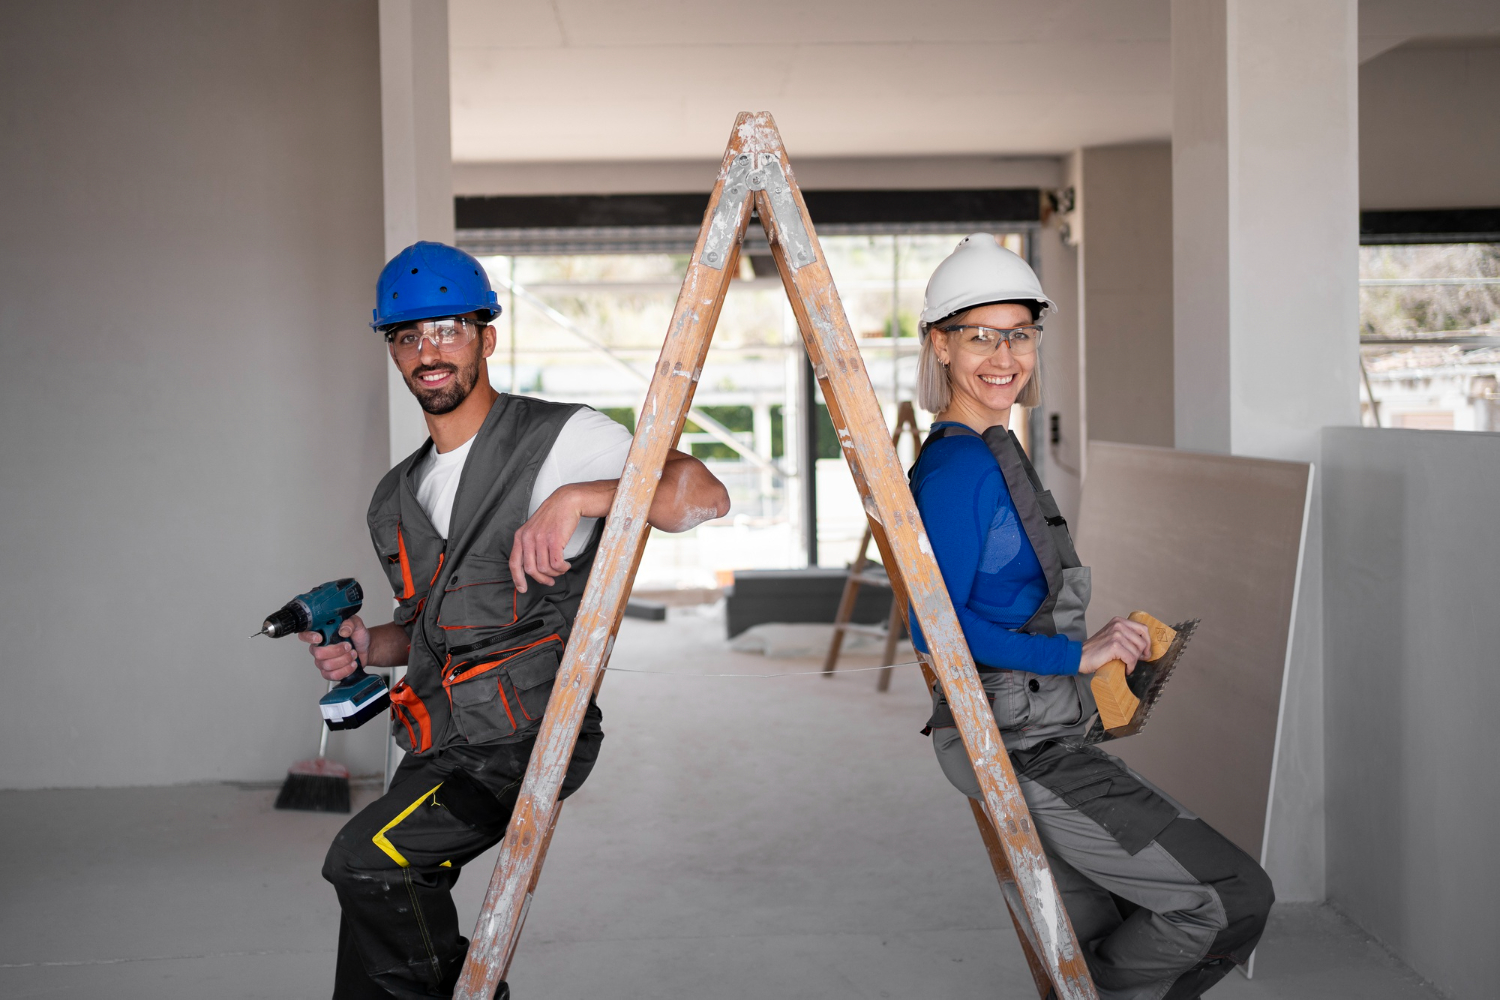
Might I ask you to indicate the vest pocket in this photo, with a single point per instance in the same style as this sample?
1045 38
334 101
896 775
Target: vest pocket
499 693
481 595
385 532
1073 603
410 723
1007 693
1054 703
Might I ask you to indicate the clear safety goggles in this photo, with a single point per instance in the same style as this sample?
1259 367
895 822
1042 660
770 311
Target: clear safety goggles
986 340
448 335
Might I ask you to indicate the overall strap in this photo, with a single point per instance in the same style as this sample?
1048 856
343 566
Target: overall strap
1045 527
1061 537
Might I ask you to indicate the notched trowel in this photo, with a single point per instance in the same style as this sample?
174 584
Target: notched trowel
1125 700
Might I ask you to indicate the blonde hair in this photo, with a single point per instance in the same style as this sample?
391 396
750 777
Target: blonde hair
934 392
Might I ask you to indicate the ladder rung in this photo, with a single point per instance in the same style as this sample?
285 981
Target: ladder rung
873 579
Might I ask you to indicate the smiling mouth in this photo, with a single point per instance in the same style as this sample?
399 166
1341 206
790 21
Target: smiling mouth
997 379
435 377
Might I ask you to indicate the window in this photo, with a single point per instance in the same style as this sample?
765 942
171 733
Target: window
1430 335
588 328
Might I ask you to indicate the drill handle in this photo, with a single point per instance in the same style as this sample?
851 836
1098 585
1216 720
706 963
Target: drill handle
332 636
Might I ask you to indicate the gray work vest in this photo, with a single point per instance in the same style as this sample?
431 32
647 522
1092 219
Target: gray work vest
483 657
1031 708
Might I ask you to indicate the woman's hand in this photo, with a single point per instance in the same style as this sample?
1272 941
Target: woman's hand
1121 639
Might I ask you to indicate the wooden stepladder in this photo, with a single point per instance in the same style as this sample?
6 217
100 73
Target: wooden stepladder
860 574
755 172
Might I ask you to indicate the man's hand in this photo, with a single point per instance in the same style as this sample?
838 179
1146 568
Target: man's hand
1121 639
335 661
687 495
537 548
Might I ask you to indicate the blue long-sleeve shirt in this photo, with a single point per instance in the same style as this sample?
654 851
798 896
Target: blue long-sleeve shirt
988 564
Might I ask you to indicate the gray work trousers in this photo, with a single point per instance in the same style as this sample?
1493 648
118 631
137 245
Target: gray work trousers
1162 904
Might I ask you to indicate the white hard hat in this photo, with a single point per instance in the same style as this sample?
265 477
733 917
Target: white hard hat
977 272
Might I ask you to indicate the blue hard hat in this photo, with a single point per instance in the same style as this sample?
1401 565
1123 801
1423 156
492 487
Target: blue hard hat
431 280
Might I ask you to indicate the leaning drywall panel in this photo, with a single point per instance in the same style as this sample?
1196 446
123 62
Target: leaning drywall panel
1188 535
1412 585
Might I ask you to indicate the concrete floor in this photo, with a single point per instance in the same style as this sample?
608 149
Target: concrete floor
762 837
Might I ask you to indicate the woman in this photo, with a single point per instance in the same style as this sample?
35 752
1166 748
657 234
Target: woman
1161 903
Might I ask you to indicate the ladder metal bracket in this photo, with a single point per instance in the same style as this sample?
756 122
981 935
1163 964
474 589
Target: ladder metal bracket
725 228
770 178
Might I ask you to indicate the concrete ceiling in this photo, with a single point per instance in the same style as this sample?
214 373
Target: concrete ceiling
599 80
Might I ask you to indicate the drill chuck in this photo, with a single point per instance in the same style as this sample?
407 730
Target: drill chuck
292 618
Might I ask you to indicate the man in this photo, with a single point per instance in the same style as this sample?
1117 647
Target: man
506 488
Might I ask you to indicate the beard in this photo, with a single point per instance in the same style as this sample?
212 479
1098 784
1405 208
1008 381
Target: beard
447 398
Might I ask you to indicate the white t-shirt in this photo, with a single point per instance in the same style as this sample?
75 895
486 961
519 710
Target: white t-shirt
590 446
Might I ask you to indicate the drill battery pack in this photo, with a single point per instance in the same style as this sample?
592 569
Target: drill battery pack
350 705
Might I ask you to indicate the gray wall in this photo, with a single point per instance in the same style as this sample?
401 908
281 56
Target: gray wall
1412 560
194 411
1126 268
1429 136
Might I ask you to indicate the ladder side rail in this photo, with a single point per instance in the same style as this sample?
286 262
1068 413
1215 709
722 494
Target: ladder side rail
846 607
657 428
1009 891
536 876
905 417
906 423
876 472
892 637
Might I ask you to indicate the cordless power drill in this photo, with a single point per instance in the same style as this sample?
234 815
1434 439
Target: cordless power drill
357 698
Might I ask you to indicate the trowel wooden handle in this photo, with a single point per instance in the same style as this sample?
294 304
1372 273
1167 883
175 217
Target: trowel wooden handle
1117 703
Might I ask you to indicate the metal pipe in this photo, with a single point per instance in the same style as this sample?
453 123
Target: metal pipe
809 456
1374 404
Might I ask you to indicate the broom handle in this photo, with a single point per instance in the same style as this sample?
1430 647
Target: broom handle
323 731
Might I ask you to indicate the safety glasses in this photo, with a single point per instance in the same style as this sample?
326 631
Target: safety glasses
448 335
986 340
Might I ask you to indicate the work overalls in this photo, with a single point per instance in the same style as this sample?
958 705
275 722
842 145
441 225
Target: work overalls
1162 904
482 662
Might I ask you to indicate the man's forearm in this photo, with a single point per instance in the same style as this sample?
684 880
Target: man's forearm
687 495
389 646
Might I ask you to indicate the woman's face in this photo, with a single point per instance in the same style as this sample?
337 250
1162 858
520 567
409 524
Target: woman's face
985 386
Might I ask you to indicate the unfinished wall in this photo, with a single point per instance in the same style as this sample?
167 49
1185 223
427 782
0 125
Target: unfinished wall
1125 200
194 409
1429 136
1413 677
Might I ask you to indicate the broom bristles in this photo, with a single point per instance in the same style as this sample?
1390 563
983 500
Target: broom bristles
317 785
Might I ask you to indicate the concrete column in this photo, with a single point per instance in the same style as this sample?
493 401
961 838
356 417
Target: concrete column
418 155
1265 223
1265 181
1123 222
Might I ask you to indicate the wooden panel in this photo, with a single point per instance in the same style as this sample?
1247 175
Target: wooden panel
1188 535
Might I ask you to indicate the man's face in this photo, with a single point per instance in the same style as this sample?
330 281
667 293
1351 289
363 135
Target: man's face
441 380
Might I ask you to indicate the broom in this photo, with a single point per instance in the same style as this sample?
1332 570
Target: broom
317 785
